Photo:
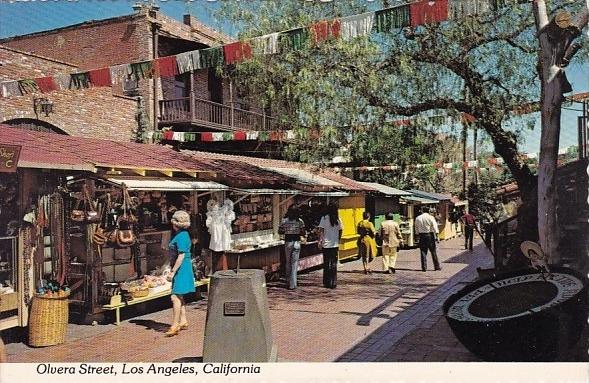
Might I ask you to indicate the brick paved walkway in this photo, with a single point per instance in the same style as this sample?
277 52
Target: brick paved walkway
378 317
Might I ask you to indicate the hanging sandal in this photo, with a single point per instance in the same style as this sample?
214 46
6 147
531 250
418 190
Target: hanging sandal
172 331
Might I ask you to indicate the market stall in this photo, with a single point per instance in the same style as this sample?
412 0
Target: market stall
33 247
53 203
125 273
384 199
444 207
408 207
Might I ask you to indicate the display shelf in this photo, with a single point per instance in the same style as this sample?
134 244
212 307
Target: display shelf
259 247
151 296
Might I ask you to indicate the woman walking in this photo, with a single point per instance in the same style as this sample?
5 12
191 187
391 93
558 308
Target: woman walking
292 227
181 275
366 242
329 236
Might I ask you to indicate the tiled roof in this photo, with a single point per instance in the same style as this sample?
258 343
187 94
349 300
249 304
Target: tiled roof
50 150
234 173
346 183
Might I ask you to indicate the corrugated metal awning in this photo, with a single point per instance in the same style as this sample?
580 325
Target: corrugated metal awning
292 192
304 176
166 184
384 189
423 201
430 195
264 191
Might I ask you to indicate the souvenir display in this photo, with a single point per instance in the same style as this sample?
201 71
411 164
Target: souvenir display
253 213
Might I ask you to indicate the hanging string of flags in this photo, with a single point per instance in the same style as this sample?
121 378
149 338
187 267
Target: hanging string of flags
482 164
382 21
169 135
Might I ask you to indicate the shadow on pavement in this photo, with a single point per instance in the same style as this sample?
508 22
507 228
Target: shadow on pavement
151 324
188 359
365 319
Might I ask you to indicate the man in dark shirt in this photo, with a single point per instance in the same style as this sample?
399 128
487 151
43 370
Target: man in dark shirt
469 226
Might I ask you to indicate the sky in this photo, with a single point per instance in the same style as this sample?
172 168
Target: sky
21 17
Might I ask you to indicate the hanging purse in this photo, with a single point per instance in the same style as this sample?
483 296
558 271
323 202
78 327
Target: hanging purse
123 236
92 215
77 214
99 236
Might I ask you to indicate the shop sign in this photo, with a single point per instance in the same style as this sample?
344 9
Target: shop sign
9 158
234 308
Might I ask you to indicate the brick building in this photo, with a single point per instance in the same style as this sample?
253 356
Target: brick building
190 101
93 112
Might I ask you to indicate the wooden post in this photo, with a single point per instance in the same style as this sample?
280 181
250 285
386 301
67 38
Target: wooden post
231 101
155 42
474 152
192 97
464 141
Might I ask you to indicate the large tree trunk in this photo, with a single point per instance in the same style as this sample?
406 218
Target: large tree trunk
556 51
551 101
506 146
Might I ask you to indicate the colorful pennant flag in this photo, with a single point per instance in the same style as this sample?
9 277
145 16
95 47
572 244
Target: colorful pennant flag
100 77
236 52
427 12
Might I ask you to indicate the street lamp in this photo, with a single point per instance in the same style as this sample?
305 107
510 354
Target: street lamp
42 105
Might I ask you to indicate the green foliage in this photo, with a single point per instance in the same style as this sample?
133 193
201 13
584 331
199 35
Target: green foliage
483 200
350 91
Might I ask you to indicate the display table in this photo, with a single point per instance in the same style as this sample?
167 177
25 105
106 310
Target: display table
265 256
134 301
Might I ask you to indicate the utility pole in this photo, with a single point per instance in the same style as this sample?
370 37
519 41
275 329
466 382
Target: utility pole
474 151
464 142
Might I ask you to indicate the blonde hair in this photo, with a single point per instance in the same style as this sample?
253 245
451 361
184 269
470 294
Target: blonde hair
181 219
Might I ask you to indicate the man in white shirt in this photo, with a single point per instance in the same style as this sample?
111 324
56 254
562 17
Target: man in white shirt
426 227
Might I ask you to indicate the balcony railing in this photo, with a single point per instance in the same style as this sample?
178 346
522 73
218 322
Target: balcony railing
213 115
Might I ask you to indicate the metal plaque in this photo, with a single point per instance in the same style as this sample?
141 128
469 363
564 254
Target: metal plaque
234 308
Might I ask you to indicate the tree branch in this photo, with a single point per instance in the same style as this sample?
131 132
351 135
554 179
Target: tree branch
436 103
540 15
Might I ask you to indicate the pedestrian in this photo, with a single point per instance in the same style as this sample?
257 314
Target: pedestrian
469 226
181 275
366 242
391 240
292 227
330 232
427 229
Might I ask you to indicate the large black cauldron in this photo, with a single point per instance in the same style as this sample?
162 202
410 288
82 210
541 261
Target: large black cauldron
520 316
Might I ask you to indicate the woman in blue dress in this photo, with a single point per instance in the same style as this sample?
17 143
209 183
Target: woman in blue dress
181 275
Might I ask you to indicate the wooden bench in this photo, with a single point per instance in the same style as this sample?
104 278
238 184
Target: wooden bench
134 301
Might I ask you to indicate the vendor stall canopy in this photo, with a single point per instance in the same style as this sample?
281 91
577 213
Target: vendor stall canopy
386 190
53 151
430 195
301 176
166 184
415 199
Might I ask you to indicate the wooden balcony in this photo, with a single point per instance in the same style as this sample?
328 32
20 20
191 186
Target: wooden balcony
208 114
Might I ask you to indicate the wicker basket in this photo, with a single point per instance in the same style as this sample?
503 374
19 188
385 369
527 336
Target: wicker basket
48 320
140 293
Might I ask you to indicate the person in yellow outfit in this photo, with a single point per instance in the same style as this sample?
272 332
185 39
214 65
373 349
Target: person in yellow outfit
366 242
391 240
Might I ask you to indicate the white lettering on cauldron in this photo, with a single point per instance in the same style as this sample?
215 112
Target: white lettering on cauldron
567 287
